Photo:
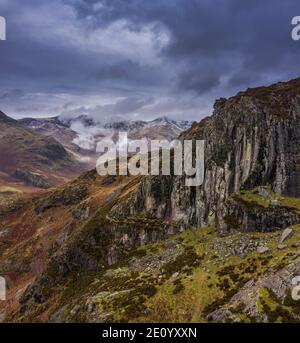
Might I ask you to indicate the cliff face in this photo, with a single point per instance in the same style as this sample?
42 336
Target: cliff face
251 140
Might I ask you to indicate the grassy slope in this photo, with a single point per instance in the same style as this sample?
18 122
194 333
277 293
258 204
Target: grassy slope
202 276
182 279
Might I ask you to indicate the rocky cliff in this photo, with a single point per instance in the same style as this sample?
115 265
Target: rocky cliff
251 140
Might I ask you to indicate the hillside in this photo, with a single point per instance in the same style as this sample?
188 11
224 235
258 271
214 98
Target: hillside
152 249
62 132
29 158
34 228
52 127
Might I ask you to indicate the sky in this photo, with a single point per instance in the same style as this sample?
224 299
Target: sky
141 59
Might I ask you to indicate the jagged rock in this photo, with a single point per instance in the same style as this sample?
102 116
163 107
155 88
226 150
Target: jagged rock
112 256
11 205
34 179
250 216
4 232
61 239
71 194
154 261
109 274
275 203
81 213
16 264
263 250
220 102
287 233
281 246
278 283
108 180
264 192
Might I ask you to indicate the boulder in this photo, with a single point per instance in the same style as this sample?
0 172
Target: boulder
275 203
263 192
287 233
263 250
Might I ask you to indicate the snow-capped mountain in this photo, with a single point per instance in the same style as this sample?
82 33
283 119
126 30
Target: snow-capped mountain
81 134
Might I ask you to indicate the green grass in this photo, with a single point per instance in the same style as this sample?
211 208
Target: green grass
293 203
204 281
252 198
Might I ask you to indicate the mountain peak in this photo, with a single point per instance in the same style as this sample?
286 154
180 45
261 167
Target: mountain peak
162 119
83 118
5 119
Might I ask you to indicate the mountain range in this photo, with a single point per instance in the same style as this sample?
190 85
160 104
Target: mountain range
82 133
38 153
149 249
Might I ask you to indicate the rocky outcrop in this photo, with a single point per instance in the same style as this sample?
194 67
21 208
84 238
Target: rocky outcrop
102 242
251 139
70 194
33 179
251 216
251 300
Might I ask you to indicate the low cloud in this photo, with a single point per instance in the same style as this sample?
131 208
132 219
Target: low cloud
122 109
86 135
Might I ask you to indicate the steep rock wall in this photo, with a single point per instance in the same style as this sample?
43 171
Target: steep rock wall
251 139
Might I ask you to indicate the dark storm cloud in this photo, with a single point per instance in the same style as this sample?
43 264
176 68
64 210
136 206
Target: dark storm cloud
201 81
119 110
111 57
245 41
